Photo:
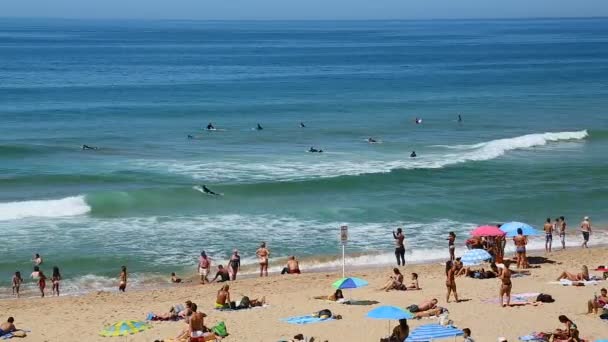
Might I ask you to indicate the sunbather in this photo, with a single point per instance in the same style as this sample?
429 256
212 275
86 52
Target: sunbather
431 313
599 302
395 282
334 297
583 276
414 284
428 305
223 298
570 334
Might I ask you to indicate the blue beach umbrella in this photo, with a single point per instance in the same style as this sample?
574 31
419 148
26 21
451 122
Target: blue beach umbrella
475 257
431 332
511 229
349 283
389 313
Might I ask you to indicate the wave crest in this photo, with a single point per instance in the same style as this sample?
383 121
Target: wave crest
69 206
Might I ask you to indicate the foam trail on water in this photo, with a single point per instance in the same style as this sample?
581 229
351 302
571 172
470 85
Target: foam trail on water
69 206
299 169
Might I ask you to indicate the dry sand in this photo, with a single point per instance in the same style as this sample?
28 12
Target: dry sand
80 318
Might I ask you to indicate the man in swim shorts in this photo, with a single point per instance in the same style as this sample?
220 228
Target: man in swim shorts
586 230
562 231
548 228
222 300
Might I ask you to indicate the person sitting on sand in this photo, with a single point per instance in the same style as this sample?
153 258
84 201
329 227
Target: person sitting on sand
175 279
222 273
414 284
583 276
334 297
395 282
593 305
401 331
8 326
223 298
293 266
570 334
424 306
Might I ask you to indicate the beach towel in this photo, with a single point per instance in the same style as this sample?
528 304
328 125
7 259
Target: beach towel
16 333
518 298
566 282
306 319
360 302
242 309
535 337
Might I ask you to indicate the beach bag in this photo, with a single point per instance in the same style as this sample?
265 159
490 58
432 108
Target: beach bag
413 308
545 298
245 303
220 329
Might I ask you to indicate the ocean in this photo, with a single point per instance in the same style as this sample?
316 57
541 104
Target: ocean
532 144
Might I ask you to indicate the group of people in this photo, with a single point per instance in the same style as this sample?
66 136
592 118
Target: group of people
38 276
558 226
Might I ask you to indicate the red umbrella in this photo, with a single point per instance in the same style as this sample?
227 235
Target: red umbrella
487 231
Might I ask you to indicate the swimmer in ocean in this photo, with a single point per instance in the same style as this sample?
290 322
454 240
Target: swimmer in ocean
302 125
190 137
418 121
314 150
371 140
210 126
259 128
207 191
87 147
413 155
459 118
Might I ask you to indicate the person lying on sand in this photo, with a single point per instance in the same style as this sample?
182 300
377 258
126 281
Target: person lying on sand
424 306
593 305
223 298
175 312
583 276
247 303
334 297
438 311
395 282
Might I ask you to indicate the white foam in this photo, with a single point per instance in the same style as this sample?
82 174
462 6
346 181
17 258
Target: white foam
288 169
69 206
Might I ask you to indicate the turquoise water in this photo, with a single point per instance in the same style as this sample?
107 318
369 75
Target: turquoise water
532 94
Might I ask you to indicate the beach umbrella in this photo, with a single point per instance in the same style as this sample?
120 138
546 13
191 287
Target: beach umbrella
349 283
124 328
389 313
475 257
431 332
511 229
487 231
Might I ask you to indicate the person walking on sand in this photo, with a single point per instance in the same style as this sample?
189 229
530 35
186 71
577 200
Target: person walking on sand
505 284
122 279
450 283
399 246
235 263
586 230
204 267
451 246
562 231
263 254
548 228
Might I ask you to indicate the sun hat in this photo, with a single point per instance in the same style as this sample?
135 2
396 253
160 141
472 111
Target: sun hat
586 218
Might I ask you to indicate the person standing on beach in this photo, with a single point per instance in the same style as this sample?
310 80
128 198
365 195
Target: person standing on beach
586 230
505 284
41 283
263 254
451 246
548 228
17 281
399 246
562 231
204 267
122 279
235 263
55 280
450 283
520 247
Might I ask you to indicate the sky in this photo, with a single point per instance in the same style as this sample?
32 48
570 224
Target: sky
301 9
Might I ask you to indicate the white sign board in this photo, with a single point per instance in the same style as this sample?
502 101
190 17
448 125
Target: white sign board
343 234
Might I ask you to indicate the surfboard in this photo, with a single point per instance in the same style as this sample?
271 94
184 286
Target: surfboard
200 189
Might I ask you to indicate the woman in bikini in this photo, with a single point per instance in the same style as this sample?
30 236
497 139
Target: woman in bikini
263 253
583 276
451 246
235 263
505 284
450 283
395 282
55 280
570 334
41 282
122 279
17 281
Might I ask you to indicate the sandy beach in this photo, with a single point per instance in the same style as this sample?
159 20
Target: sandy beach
80 318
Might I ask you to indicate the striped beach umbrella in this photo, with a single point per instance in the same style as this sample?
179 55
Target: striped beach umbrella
124 328
432 332
349 283
475 257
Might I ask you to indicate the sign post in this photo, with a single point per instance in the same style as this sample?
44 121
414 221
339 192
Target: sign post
343 240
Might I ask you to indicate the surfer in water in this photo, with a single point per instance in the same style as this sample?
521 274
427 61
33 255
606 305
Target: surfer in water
302 125
372 140
459 118
314 150
413 155
87 147
190 136
207 191
210 127
259 128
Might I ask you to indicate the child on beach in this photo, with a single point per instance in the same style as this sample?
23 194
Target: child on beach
122 279
175 279
450 283
451 246
505 284
55 280
17 280
467 335
41 282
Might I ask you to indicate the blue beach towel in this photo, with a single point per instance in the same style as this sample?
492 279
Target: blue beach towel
306 319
